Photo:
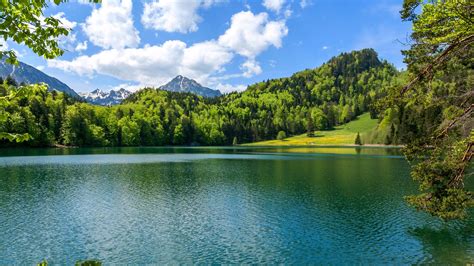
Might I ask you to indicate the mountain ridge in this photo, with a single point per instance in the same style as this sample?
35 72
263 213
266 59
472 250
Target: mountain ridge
24 73
99 97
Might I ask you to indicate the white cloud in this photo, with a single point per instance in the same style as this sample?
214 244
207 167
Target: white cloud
173 15
250 34
324 47
203 58
66 41
111 25
274 5
152 65
85 2
250 68
4 47
82 46
40 67
128 87
227 88
64 21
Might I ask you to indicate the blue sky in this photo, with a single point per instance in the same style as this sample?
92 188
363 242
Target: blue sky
223 44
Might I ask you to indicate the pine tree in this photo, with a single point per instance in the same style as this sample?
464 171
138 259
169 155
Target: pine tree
358 140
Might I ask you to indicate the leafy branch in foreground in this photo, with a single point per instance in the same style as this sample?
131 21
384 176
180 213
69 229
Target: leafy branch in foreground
440 91
441 177
22 21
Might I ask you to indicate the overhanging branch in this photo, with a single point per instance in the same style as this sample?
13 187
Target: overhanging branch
440 59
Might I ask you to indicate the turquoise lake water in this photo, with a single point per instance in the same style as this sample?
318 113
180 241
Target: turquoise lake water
292 205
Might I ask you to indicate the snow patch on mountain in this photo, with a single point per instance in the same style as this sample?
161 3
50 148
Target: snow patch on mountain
100 97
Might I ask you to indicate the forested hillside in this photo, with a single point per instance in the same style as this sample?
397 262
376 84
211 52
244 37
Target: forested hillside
321 98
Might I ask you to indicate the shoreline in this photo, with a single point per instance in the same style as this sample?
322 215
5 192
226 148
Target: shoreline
325 145
246 145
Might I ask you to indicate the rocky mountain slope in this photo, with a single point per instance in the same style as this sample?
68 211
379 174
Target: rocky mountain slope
112 97
24 73
183 84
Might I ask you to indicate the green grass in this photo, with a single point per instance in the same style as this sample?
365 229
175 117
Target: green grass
341 135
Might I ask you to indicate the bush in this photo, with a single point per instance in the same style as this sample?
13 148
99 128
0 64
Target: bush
281 135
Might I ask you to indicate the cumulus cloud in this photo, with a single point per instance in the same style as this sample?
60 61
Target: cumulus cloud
128 87
111 25
249 34
206 57
64 21
227 88
274 5
66 41
4 47
82 46
85 2
251 68
152 65
173 15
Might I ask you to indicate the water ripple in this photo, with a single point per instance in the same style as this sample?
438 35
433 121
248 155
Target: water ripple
218 208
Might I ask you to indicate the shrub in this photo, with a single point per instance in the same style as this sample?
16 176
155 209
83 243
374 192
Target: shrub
281 135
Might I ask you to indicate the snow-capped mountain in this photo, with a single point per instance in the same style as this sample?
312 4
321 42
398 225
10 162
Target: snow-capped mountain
100 97
183 84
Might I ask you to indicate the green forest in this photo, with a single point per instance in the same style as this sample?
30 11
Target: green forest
322 98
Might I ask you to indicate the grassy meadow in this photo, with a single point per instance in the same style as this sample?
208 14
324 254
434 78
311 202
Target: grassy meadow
340 135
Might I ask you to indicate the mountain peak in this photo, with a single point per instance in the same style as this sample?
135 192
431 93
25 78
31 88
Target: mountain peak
184 84
112 97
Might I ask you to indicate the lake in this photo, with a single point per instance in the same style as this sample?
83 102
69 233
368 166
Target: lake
292 205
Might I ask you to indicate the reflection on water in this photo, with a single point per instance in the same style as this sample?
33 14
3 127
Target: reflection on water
446 244
376 151
216 205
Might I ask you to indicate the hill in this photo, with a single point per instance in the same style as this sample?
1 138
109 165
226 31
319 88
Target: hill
322 98
24 73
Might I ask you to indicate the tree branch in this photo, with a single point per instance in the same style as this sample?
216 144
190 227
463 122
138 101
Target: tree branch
457 180
466 112
440 59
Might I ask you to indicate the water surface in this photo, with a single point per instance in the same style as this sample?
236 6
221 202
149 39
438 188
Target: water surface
292 205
